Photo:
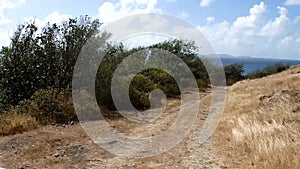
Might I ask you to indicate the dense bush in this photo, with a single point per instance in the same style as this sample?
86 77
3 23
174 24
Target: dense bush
36 70
103 80
140 87
234 73
163 81
48 106
35 61
157 79
202 84
139 91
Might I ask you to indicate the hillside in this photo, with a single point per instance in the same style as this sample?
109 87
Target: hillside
259 129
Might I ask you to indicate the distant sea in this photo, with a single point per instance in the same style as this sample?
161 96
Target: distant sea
253 64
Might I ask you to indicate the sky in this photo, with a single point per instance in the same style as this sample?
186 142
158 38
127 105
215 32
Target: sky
268 29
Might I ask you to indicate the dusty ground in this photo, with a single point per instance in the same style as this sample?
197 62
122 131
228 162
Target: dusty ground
259 128
70 147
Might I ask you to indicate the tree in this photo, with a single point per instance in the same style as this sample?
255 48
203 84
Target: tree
37 61
149 79
234 73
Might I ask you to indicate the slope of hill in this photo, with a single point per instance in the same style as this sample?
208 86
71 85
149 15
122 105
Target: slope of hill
260 127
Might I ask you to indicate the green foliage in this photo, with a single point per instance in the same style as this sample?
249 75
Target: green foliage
48 106
140 86
163 81
37 61
139 90
234 73
34 62
268 71
147 80
103 80
202 84
186 50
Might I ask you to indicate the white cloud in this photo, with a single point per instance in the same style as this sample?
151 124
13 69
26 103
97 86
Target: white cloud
256 35
248 24
22 1
109 11
4 37
143 40
287 42
54 17
245 27
183 15
5 5
210 19
289 46
171 1
217 34
278 26
154 24
297 19
205 3
292 2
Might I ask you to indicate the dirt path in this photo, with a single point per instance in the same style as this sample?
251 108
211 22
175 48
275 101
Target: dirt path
69 147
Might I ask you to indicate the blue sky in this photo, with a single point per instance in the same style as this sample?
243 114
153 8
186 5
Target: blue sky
269 28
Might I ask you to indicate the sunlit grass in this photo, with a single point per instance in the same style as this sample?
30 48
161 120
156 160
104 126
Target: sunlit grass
260 127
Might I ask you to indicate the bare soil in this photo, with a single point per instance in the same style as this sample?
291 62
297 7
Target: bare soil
69 147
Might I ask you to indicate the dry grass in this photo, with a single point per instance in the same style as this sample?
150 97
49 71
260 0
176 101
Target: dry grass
37 148
13 123
46 107
261 123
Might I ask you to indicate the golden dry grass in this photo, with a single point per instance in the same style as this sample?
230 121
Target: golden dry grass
13 123
260 127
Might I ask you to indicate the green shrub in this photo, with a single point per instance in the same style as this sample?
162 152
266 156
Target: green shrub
103 81
202 84
163 81
139 90
49 106
141 85
234 73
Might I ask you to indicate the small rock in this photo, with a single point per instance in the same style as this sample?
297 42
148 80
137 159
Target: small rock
56 155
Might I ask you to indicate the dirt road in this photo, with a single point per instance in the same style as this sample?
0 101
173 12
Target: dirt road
70 147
